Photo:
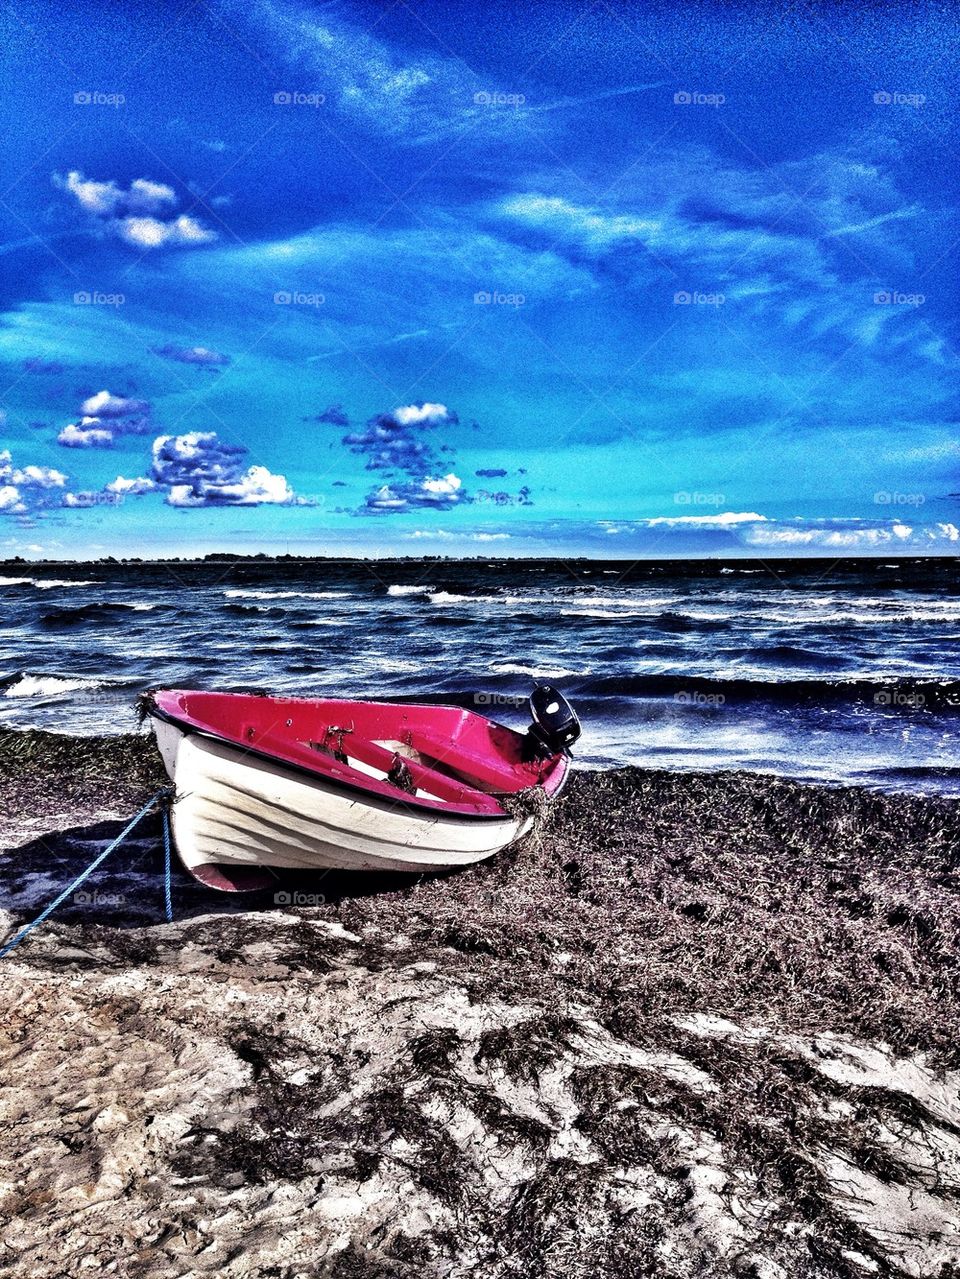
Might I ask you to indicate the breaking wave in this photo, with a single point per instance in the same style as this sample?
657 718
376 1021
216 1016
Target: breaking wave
43 583
287 595
24 684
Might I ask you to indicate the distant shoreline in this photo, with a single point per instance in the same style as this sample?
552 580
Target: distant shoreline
771 564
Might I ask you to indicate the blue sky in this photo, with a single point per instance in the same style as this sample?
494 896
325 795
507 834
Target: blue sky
438 278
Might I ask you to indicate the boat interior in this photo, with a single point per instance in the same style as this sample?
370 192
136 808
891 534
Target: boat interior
441 756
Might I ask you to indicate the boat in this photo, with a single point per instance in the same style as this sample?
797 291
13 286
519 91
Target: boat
264 782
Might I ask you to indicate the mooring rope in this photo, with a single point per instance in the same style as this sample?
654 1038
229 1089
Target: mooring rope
167 900
160 797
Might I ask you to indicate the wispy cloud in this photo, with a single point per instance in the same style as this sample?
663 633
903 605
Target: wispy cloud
200 355
411 98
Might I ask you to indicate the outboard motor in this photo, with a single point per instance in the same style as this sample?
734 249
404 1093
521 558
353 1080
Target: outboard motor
555 725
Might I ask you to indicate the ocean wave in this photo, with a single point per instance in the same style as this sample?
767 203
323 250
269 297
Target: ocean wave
25 684
408 590
839 616
441 621
629 599
607 614
884 694
43 583
60 618
287 595
534 672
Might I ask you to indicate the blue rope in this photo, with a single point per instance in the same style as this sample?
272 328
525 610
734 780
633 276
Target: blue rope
168 904
28 929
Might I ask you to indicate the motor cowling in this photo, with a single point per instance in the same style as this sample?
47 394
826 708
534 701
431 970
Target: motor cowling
555 725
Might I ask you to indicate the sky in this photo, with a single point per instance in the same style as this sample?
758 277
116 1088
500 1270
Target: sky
423 277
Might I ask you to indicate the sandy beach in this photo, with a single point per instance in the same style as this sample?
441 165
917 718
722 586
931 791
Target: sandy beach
696 1025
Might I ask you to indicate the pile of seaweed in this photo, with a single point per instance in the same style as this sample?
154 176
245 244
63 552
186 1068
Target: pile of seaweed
702 1024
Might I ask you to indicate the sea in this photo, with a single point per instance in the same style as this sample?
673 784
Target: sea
830 671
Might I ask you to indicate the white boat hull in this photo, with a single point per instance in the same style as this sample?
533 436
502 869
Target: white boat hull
233 808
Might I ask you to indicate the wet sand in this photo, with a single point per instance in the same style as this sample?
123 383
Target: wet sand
696 1025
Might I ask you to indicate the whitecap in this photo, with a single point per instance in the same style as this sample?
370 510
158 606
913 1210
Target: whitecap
534 672
287 595
27 685
43 584
616 615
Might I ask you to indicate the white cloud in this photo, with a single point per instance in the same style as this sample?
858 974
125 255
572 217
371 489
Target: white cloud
135 487
137 215
199 469
23 488
100 198
447 486
151 233
103 404
145 196
105 199
44 477
258 487
723 520
75 437
386 499
10 499
849 535
415 414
